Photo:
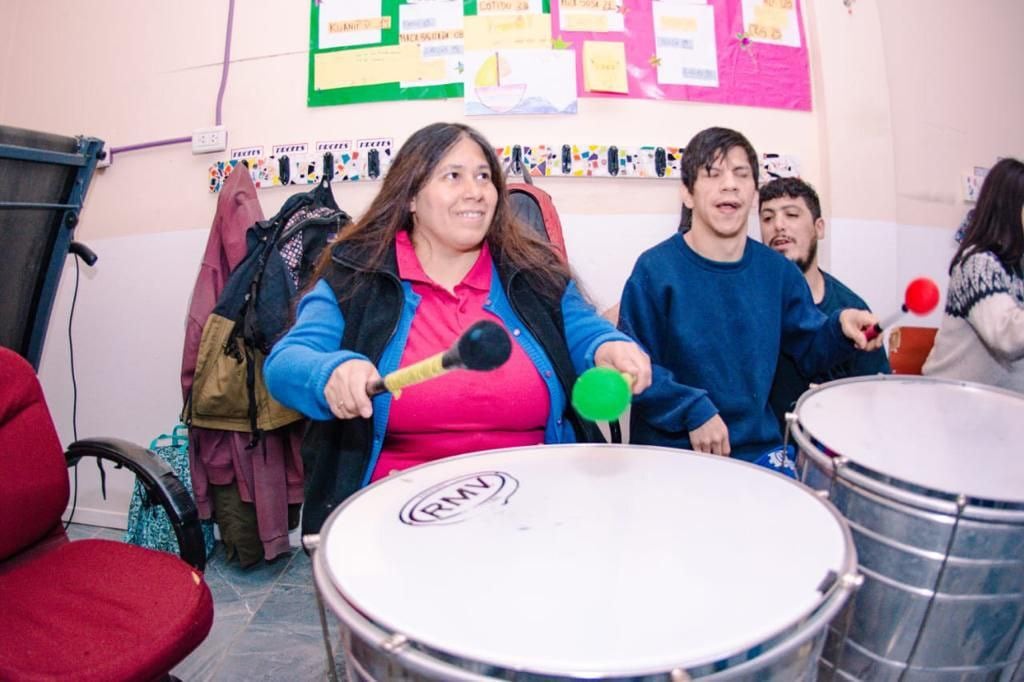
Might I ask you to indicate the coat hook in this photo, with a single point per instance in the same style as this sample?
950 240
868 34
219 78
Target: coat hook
373 163
284 169
327 173
660 162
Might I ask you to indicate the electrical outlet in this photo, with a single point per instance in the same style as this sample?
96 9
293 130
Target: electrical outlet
105 157
206 140
972 184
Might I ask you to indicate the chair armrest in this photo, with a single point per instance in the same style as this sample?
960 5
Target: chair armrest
161 484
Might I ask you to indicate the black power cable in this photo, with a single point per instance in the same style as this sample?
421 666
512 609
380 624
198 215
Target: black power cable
74 388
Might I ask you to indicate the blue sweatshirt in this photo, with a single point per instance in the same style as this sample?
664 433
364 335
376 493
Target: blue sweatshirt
714 332
789 384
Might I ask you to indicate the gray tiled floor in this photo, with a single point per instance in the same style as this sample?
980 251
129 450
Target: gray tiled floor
265 626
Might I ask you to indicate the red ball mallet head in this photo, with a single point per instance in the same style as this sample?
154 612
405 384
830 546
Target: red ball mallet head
921 297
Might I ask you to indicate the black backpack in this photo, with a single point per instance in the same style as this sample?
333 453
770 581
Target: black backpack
535 209
253 311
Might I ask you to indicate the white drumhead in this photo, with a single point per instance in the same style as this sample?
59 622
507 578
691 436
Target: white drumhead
586 559
952 437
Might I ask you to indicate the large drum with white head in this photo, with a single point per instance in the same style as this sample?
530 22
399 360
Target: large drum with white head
930 475
584 562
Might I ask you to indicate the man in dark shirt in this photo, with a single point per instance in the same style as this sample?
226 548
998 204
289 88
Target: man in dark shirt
791 224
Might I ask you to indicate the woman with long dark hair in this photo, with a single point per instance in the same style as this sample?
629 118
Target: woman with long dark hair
982 334
437 250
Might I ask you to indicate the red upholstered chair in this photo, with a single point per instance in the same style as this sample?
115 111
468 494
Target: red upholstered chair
88 609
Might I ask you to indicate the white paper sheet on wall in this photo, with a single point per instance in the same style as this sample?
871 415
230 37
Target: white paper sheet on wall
436 27
520 82
684 34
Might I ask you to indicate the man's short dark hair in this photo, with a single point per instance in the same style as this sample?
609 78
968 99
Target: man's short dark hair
794 188
703 150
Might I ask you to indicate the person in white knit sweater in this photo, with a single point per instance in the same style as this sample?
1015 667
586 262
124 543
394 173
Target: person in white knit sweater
981 338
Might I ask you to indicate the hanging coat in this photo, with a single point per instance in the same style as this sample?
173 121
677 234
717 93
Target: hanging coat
270 476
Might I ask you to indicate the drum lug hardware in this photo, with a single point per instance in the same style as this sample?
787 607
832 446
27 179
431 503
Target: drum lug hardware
852 580
311 542
394 642
679 675
823 494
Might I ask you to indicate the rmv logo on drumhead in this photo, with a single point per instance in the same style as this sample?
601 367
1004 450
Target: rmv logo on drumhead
452 501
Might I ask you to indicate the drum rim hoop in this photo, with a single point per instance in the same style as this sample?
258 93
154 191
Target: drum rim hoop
421 657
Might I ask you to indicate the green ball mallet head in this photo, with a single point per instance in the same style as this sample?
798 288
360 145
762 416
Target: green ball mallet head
601 394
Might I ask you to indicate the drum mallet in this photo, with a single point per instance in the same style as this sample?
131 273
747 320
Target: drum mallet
921 297
602 394
483 347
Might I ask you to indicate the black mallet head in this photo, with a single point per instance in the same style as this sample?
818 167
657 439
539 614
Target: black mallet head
482 347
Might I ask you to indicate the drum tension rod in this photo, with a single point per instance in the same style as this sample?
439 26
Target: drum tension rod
394 642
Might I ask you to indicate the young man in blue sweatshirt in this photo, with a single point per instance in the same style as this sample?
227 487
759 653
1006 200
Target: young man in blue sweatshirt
714 309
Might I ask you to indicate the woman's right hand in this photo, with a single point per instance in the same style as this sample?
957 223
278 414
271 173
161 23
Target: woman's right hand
345 391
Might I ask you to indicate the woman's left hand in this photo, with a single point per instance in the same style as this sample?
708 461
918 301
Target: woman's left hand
627 358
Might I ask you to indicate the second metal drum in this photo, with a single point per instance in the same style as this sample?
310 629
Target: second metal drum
930 476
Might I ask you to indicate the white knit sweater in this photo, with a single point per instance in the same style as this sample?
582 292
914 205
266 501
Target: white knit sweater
982 334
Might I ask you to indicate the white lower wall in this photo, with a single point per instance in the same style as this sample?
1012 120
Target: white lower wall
128 333
603 249
878 259
130 317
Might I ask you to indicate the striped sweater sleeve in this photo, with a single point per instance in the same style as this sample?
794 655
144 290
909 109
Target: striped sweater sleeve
991 299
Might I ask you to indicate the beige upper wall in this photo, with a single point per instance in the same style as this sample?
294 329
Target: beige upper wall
908 94
914 94
955 95
853 110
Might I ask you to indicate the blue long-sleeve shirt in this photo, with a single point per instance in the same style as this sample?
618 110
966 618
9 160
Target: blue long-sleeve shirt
300 364
714 331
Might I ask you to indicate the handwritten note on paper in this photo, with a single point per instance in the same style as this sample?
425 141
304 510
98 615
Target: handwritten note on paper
589 5
507 31
490 6
586 21
597 16
684 35
677 24
604 66
371 66
772 21
348 23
